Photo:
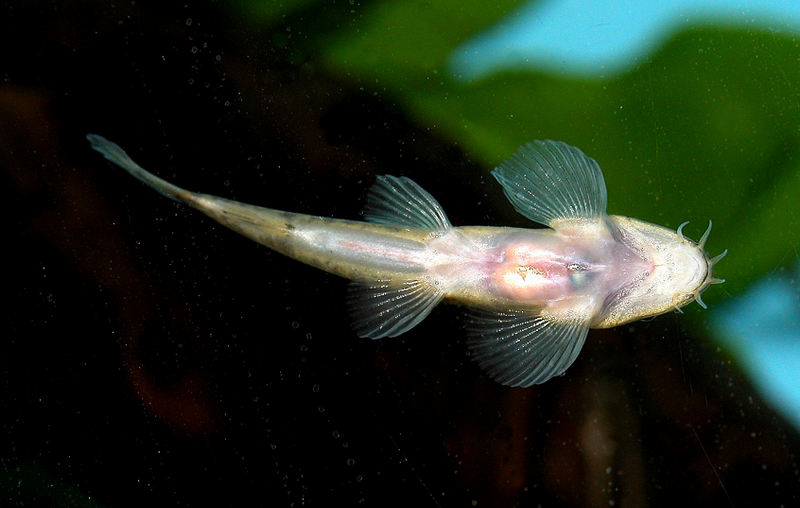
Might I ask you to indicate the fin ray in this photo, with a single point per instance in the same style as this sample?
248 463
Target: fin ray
399 201
550 180
385 310
517 349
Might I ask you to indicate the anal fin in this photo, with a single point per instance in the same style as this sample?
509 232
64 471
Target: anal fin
387 309
519 349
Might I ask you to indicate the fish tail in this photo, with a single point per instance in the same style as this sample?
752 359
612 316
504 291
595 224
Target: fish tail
117 155
272 228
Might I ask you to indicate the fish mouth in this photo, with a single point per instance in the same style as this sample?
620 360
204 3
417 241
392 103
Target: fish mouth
709 279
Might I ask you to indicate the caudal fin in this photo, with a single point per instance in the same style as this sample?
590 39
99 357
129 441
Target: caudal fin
117 155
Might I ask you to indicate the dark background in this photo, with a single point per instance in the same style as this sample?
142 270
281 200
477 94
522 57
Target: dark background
153 356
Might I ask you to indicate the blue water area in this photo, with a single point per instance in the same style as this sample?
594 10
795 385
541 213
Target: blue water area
604 37
762 327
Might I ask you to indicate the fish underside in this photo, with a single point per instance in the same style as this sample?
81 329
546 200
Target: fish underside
532 294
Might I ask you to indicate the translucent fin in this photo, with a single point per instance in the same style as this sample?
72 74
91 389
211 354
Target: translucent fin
386 310
117 155
398 201
551 180
517 349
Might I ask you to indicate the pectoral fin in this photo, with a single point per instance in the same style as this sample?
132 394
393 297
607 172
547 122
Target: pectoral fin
550 180
385 309
517 349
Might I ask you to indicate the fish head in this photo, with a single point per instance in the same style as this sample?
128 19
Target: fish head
670 271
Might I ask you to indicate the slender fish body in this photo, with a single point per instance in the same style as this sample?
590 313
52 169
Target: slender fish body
534 293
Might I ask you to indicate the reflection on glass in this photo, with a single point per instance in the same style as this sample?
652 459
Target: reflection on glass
605 37
762 327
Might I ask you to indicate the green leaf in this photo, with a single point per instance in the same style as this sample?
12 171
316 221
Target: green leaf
405 44
707 128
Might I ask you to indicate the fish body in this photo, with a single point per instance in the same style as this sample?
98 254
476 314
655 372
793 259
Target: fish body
534 292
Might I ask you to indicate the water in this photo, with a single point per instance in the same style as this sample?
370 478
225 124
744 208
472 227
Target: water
152 356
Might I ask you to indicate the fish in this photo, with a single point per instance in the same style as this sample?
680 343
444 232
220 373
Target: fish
531 294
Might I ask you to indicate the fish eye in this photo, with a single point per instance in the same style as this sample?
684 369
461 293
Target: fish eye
577 278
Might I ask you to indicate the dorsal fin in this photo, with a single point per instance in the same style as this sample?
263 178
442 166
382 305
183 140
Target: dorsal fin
398 201
550 180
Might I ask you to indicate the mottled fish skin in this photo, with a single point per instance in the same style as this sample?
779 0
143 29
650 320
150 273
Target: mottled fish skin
535 292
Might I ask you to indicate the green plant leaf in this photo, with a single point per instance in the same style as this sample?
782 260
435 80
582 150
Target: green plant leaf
707 128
